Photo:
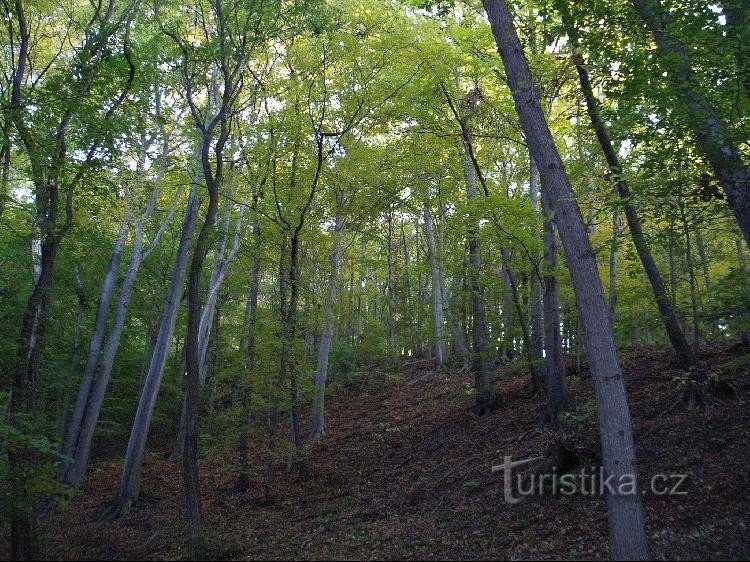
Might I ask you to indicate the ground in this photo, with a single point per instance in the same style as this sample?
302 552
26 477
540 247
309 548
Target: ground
404 471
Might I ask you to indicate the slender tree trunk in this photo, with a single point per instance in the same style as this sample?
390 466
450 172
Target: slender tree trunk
415 336
64 400
671 323
247 346
613 264
701 244
130 481
360 288
536 337
223 260
537 382
441 361
483 364
193 362
557 388
5 155
329 318
393 351
694 304
97 339
625 513
713 139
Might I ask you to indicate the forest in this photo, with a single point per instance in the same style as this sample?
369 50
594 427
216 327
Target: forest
343 279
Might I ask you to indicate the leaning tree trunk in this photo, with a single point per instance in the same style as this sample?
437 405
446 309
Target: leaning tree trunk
77 471
626 525
329 318
714 140
223 260
130 481
676 336
95 345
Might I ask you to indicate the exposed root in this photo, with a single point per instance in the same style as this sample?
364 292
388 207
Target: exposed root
117 508
698 393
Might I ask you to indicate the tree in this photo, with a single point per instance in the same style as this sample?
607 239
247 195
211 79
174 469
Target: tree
626 525
713 139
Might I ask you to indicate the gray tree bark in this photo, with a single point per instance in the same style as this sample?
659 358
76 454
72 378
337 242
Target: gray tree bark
626 525
438 302
329 319
536 314
83 435
130 480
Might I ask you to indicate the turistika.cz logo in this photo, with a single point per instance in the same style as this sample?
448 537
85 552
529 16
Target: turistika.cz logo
589 481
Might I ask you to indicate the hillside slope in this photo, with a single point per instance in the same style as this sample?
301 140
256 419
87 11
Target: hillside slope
404 472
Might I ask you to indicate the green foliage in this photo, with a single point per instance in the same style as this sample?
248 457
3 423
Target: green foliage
28 465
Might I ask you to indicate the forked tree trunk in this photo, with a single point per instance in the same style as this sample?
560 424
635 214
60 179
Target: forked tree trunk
625 513
223 260
105 361
97 339
130 480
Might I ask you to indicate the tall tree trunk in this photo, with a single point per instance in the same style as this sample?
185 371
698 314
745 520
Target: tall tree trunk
626 525
438 301
537 381
362 280
81 442
193 362
97 339
64 400
247 346
5 155
77 471
536 325
329 318
558 398
483 363
694 304
671 323
130 481
714 140
613 259
393 350
701 244
223 259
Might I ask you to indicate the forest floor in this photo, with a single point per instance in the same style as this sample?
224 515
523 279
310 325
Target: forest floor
404 472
